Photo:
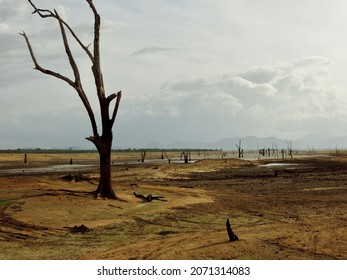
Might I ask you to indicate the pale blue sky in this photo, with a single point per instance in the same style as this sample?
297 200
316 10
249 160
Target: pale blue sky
195 70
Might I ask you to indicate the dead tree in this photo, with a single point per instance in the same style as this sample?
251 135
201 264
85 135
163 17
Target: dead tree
186 156
223 154
262 152
239 148
290 148
337 152
103 141
168 158
274 151
143 155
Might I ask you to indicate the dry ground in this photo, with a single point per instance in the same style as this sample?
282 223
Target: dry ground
296 211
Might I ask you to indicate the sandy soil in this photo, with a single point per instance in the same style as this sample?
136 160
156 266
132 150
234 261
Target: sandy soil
292 211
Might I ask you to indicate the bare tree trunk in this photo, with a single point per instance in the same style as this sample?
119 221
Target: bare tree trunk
186 155
105 189
143 155
239 148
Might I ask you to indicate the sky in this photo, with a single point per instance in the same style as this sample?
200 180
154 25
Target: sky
189 70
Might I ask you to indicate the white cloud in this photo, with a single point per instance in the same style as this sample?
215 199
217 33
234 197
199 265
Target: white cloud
292 92
264 89
63 11
109 25
189 69
4 28
152 49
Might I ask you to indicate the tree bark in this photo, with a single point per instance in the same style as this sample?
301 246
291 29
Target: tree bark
105 189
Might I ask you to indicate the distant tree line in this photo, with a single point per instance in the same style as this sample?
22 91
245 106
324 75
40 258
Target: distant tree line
76 151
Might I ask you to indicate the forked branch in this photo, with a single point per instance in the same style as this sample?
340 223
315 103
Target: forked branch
44 13
77 85
94 56
116 106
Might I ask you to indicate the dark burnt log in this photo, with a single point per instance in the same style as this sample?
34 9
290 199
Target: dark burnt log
148 198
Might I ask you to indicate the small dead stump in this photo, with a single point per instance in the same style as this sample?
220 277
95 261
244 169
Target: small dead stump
81 229
72 178
77 178
166 232
232 236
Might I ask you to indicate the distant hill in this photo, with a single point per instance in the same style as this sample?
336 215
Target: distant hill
311 141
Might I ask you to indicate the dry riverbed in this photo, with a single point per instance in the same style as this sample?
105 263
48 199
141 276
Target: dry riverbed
292 209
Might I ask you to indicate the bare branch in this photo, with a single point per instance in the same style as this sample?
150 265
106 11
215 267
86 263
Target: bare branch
91 139
77 87
97 23
74 67
96 64
68 51
41 69
95 59
43 13
116 106
85 48
113 96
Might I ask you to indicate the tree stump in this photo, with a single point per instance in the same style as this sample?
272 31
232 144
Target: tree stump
232 236
82 229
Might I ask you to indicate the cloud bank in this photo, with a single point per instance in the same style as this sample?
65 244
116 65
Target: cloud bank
280 99
189 70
